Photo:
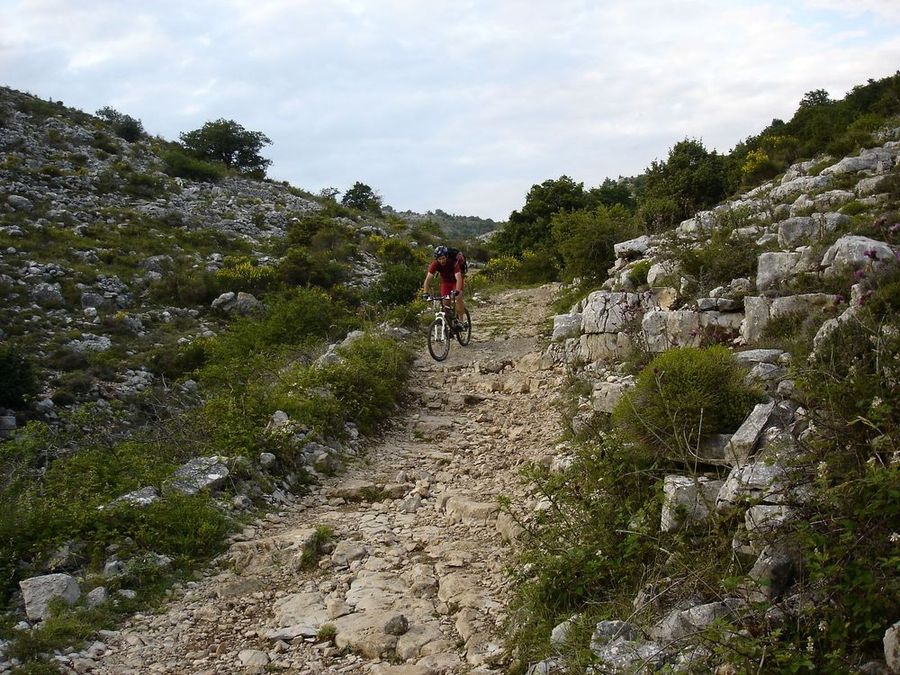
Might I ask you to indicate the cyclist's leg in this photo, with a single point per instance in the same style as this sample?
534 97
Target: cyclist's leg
460 305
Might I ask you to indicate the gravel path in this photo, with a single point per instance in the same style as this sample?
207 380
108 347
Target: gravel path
414 580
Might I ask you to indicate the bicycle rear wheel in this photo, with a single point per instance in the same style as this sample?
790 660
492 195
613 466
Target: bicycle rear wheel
438 340
464 333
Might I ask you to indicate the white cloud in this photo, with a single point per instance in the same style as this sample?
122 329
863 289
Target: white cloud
459 106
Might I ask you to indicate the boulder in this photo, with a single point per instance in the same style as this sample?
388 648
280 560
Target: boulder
38 592
608 312
687 499
20 203
774 268
606 395
242 304
796 230
660 272
755 481
877 160
566 326
603 347
744 440
756 317
679 624
798 185
201 473
633 248
852 252
773 572
48 294
143 497
891 643
664 329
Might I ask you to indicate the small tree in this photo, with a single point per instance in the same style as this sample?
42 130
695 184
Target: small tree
228 142
585 239
124 126
362 197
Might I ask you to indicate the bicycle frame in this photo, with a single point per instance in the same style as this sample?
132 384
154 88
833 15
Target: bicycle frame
443 314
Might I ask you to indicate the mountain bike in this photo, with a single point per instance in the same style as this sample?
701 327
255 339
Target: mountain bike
445 327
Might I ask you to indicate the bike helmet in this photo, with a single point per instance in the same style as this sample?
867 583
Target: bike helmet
441 251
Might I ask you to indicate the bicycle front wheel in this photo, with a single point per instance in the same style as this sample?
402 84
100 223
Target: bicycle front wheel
464 332
438 340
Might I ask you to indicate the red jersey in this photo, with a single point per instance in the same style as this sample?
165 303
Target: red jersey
447 271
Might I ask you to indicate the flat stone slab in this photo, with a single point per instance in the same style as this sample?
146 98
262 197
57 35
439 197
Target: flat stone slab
463 510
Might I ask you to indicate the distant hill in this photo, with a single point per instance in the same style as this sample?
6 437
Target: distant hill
454 226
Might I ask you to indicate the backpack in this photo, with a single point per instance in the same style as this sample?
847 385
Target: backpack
456 254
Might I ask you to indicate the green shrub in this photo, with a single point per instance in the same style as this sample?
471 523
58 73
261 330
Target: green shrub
585 553
301 267
18 380
853 208
186 286
362 388
846 529
174 361
683 396
637 275
585 239
398 285
180 164
244 275
144 185
397 252
717 261
312 551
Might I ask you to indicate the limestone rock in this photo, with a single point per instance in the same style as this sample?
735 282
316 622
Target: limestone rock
607 312
201 473
566 326
665 329
854 252
37 592
892 647
687 499
774 268
744 440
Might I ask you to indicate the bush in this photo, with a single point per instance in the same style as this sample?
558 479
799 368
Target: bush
179 163
637 275
244 275
17 377
301 267
719 259
585 239
683 396
186 286
584 554
398 285
363 387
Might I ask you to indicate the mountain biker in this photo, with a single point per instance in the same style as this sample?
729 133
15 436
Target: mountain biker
452 276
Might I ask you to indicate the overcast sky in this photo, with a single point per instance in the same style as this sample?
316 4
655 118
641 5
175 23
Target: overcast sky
459 105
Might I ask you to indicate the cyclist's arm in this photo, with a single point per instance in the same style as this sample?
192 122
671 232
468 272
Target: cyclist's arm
428 277
459 282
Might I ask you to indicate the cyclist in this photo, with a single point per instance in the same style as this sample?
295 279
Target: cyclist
452 276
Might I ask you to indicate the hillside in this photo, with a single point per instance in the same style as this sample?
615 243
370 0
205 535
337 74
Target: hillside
217 403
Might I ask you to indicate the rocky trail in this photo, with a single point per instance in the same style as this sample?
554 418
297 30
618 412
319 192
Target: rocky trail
413 581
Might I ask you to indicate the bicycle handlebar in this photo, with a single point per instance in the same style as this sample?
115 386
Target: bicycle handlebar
435 298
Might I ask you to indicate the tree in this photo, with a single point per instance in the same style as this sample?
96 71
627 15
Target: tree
124 126
814 98
690 180
586 239
529 229
228 142
611 192
362 197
